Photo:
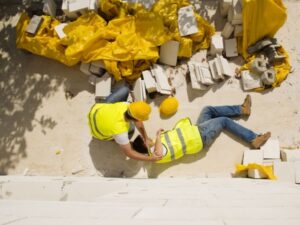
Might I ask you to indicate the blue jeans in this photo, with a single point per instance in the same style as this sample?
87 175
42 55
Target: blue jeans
119 93
213 120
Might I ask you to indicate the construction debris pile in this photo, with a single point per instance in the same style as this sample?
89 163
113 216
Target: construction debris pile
127 39
272 162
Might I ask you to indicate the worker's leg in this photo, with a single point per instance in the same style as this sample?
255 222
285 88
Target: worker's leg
119 93
210 129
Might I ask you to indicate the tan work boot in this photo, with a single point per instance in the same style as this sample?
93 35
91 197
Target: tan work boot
260 140
246 106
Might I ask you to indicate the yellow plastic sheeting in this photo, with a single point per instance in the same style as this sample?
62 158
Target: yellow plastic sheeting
282 69
267 170
45 42
261 19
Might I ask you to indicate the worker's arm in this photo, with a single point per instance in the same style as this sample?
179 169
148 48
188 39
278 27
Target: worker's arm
131 153
158 150
140 126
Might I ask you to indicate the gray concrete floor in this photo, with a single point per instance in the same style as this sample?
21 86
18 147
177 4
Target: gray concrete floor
37 120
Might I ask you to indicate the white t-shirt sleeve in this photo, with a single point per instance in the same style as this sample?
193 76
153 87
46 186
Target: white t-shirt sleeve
164 150
122 139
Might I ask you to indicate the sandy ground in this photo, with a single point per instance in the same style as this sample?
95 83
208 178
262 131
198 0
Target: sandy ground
37 121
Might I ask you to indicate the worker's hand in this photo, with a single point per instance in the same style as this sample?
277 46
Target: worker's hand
149 143
155 157
158 133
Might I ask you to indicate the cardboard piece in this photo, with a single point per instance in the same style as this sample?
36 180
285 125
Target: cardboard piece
252 156
271 149
34 24
168 53
103 86
187 23
250 81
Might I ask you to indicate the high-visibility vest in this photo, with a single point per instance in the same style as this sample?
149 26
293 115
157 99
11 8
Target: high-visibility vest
183 139
107 119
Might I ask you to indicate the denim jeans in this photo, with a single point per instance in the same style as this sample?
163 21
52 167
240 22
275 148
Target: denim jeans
213 120
119 93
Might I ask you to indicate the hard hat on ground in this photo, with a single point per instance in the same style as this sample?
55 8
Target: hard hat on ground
169 106
139 110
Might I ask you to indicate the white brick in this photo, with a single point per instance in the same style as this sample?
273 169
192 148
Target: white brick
138 90
163 85
194 82
93 5
214 72
169 52
271 149
231 48
216 45
252 156
284 171
103 86
227 30
65 9
150 83
59 29
224 7
34 24
290 155
256 174
250 81
205 75
297 172
186 21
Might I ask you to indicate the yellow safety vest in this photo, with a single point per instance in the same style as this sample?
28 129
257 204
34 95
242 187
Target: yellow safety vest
183 139
107 119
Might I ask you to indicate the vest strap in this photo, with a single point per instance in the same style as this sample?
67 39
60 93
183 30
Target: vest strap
170 146
179 133
95 125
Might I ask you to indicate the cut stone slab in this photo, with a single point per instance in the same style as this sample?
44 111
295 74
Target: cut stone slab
103 86
271 149
169 52
187 21
216 45
227 30
34 24
225 67
250 81
150 83
253 156
231 48
200 56
214 71
65 9
59 29
49 8
78 6
256 174
290 155
284 171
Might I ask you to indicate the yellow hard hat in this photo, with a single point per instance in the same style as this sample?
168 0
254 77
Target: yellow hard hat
169 106
139 110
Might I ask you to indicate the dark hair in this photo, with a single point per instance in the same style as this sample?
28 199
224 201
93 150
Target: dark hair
139 145
129 117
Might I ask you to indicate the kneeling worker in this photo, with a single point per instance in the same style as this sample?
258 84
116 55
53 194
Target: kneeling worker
186 138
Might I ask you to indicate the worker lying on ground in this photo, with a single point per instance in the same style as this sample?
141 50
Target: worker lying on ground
186 138
115 118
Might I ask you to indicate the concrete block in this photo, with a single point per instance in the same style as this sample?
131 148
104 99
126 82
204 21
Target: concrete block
203 74
85 68
98 63
199 56
271 149
93 5
284 171
290 155
250 81
49 8
99 71
168 53
103 86
259 65
227 30
225 67
194 82
252 156
214 72
216 45
163 85
187 23
65 9
150 83
235 13
78 6
256 174
138 90
297 172
238 30
34 24
231 48
224 7
59 29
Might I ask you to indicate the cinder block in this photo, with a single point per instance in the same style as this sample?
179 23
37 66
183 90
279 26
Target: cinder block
224 7
250 81
271 149
150 83
227 30
138 91
78 6
93 5
284 171
163 85
253 156
225 67
205 75
103 86
59 29
256 174
231 48
187 23
290 155
238 30
34 24
168 53
200 56
49 8
214 72
297 172
194 82
216 45
85 68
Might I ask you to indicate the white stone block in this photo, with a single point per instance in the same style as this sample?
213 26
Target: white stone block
59 29
49 8
290 155
103 86
93 5
256 174
194 82
168 53
227 30
138 90
187 22
225 67
284 171
216 45
203 74
224 7
297 172
200 56
78 5
252 156
238 30
214 71
150 83
231 48
34 24
250 81
163 85
271 149
65 9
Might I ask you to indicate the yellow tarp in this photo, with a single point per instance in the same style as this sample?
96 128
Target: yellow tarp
127 43
267 170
